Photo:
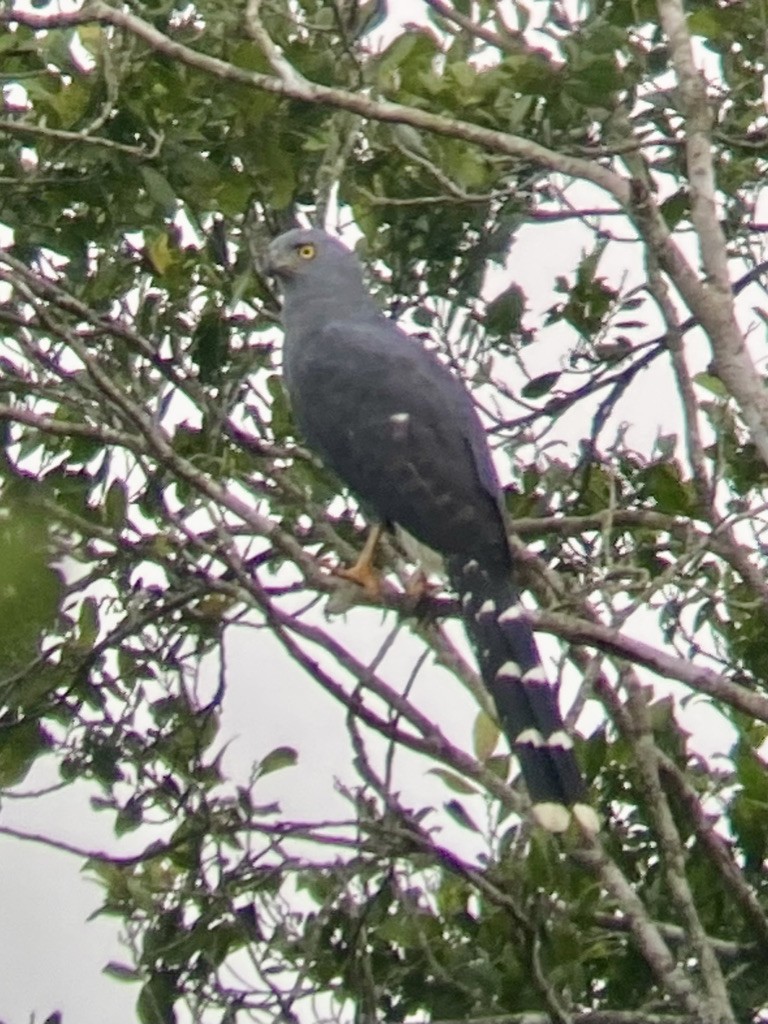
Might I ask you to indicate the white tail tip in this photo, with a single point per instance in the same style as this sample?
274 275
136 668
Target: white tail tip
555 817
587 818
551 816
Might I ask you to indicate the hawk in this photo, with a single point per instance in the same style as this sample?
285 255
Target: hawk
401 431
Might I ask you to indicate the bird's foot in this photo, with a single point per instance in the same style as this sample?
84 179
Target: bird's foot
363 572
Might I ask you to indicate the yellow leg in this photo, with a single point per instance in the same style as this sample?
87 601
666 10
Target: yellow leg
363 572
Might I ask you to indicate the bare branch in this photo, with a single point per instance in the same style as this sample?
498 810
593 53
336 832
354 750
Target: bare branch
713 304
698 677
717 1008
286 71
477 31
43 131
718 850
694 106
648 937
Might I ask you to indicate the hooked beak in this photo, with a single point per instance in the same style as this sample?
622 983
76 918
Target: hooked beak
278 262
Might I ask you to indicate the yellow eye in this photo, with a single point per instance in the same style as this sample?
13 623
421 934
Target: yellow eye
306 251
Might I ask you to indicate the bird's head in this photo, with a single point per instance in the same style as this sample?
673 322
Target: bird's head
311 256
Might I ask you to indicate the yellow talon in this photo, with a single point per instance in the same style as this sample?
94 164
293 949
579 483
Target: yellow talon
363 572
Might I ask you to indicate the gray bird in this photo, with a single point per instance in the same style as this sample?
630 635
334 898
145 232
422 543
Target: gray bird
401 432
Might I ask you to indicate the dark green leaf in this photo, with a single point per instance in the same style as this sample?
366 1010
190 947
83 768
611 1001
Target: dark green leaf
210 344
20 746
504 313
156 1000
540 385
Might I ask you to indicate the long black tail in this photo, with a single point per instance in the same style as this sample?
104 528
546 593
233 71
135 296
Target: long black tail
525 702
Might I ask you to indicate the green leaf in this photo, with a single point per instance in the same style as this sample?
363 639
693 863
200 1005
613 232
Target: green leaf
161 254
277 759
461 816
504 314
485 736
30 590
705 22
282 421
20 747
454 782
662 482
116 504
129 818
122 972
500 765
88 624
675 207
711 383
156 1000
159 189
210 344
540 385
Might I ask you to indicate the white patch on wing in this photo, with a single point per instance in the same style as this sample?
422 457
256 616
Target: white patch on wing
399 417
472 564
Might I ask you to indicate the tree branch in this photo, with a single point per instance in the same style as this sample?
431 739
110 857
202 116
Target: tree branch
647 936
714 301
640 734
608 639
312 92
43 131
